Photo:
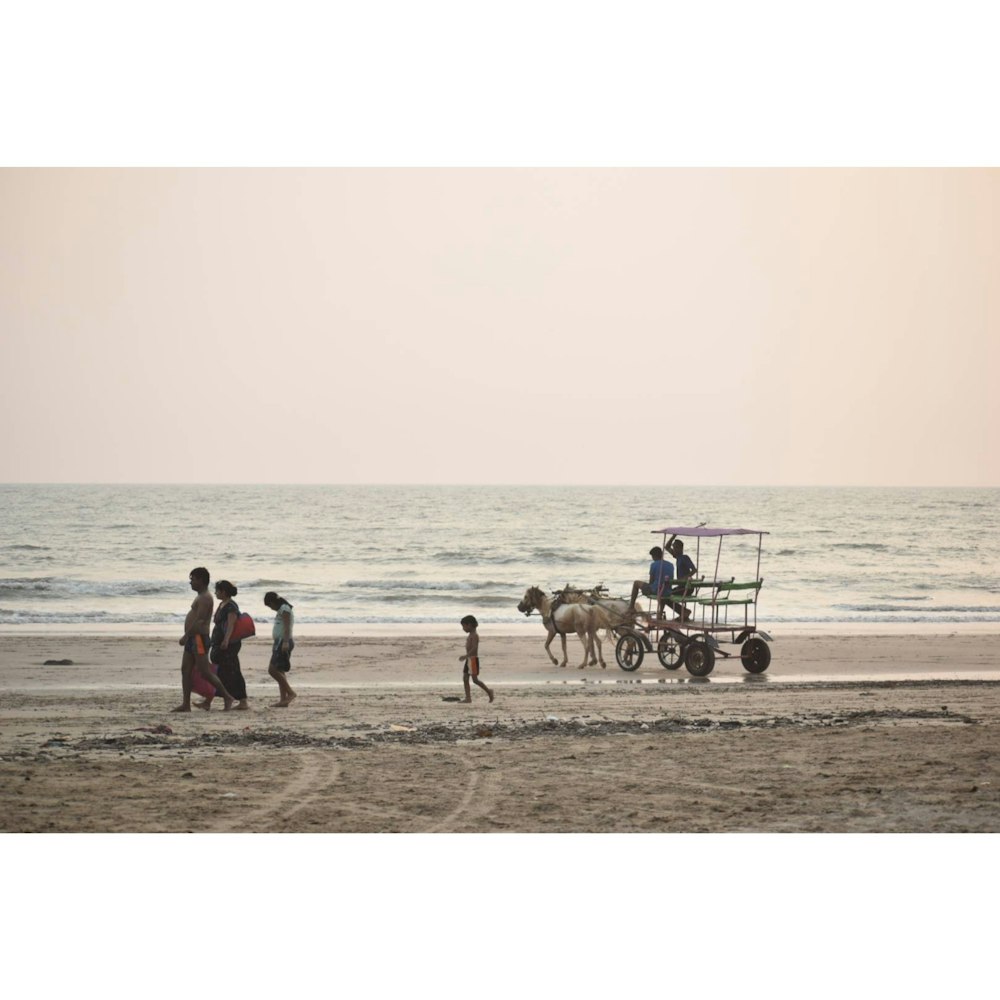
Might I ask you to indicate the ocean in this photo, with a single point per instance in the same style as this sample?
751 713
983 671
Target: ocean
398 557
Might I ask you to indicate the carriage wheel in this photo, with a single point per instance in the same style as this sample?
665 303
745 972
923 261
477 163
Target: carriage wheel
699 658
629 652
670 651
756 655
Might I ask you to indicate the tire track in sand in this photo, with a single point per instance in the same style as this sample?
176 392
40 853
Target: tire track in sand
477 801
315 777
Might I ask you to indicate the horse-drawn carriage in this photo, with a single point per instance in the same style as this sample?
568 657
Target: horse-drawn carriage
707 614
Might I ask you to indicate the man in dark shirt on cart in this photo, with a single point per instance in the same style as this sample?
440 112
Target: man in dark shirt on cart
685 569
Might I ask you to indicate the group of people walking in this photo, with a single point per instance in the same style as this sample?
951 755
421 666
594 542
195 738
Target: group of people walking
211 641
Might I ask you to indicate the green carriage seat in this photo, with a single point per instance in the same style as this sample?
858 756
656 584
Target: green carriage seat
729 587
690 600
730 594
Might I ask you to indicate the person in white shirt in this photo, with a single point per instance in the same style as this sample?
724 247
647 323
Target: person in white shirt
281 652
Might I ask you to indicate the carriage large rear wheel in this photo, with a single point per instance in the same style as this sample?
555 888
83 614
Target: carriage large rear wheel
629 652
699 658
756 655
670 651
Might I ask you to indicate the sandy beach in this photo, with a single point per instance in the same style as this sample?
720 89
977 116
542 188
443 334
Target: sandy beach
844 733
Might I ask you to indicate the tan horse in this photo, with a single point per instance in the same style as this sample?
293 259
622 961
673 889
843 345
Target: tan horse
583 619
616 608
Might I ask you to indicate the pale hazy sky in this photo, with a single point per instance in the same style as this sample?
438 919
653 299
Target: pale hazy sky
793 326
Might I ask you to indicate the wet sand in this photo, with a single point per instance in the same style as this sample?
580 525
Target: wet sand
843 733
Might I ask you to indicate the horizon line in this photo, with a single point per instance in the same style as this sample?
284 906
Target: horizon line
468 485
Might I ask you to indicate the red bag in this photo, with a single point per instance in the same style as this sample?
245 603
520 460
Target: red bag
244 627
201 686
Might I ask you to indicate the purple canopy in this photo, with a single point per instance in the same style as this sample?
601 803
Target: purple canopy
708 532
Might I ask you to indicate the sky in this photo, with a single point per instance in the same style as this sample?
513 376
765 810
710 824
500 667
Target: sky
512 325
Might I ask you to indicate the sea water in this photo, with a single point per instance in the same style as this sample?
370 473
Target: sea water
411 556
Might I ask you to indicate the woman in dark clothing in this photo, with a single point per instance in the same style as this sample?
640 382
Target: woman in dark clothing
226 652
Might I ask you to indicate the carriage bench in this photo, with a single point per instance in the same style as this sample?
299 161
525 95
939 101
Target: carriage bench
726 596
728 588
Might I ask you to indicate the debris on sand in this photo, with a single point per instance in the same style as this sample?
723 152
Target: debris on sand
365 736
58 663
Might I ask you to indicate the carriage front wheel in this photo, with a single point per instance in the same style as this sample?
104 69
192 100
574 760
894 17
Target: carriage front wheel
629 652
699 658
756 655
670 651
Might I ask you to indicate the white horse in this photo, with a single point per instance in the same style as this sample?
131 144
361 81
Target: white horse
616 608
583 619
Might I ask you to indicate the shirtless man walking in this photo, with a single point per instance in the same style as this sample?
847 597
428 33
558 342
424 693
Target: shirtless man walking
195 641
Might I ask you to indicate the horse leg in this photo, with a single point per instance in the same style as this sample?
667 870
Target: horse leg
548 642
587 647
600 652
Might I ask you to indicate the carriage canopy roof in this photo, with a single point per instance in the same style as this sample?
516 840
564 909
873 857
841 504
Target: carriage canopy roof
708 532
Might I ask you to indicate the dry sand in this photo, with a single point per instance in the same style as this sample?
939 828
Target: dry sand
845 733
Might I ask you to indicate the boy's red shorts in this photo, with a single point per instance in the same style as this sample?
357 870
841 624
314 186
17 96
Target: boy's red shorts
472 666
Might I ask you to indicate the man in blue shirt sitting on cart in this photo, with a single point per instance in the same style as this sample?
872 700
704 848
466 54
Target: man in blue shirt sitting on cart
661 573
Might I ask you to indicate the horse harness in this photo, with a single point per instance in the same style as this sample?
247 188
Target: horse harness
553 608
